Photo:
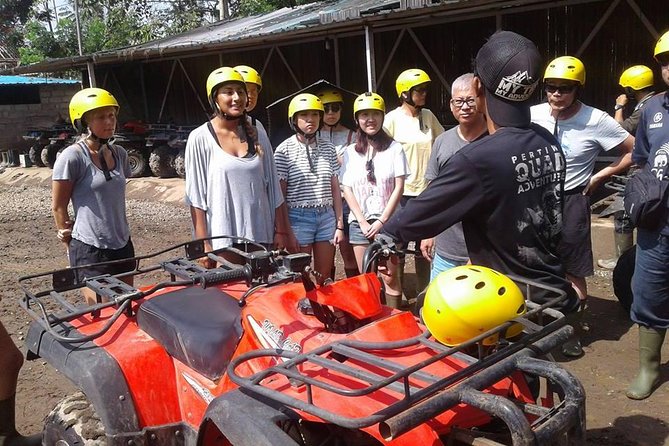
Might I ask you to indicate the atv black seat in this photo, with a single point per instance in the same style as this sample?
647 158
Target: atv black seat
199 327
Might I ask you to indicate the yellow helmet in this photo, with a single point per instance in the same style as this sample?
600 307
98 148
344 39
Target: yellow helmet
303 102
662 45
250 75
409 79
89 99
368 101
637 77
220 76
566 67
465 301
330 96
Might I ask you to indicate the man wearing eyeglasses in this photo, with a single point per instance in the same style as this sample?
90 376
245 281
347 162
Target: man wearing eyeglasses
505 188
448 249
583 132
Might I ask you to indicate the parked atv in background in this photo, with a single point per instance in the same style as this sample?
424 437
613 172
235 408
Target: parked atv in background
46 143
257 354
166 144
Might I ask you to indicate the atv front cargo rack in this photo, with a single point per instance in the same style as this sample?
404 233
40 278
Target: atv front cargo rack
544 329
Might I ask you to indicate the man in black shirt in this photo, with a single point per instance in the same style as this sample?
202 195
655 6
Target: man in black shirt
506 188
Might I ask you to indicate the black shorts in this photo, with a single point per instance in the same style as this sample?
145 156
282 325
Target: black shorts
575 247
83 254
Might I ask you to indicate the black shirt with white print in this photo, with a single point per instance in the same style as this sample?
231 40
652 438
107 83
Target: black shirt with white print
506 188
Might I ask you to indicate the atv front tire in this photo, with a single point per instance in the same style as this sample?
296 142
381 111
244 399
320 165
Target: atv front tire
49 154
73 422
137 163
161 162
180 163
35 154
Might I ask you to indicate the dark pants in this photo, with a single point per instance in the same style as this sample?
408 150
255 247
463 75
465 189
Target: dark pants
650 283
83 254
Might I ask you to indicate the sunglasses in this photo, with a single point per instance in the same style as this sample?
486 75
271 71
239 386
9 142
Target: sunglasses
662 59
562 89
334 108
420 90
370 171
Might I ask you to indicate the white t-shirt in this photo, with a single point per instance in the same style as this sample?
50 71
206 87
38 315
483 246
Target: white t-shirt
416 136
582 137
239 195
373 197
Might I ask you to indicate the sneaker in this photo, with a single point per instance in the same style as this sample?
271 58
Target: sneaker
572 348
607 263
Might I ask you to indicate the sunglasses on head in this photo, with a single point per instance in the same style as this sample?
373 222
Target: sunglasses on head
334 108
562 89
370 171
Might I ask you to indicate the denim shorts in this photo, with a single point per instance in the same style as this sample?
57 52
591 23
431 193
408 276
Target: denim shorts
441 264
312 225
355 235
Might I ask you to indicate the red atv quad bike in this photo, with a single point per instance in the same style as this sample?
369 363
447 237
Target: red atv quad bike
257 354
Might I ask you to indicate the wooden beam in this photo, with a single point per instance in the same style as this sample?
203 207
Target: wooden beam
597 27
290 70
391 55
434 66
167 89
649 26
205 109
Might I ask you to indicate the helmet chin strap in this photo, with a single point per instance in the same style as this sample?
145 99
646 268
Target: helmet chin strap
104 143
406 97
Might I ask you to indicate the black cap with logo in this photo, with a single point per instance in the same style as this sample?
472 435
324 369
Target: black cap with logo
509 66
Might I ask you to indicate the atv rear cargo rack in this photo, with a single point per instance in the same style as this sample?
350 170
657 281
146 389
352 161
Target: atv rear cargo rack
544 329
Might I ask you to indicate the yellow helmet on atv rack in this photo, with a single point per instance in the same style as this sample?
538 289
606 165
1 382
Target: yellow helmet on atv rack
637 77
368 101
330 96
220 76
409 79
567 68
250 75
463 302
89 99
662 45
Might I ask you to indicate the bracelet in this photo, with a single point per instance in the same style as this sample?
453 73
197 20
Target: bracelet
618 107
339 229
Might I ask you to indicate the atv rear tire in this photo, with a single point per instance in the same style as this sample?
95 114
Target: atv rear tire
137 162
180 163
35 154
73 422
49 154
161 162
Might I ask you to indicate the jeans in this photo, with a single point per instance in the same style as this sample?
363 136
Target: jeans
312 225
650 283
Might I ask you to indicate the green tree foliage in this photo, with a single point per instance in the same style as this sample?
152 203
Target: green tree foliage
13 13
111 24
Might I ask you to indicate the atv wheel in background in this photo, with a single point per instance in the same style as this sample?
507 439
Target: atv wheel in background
161 162
180 163
49 154
137 163
35 154
74 422
622 278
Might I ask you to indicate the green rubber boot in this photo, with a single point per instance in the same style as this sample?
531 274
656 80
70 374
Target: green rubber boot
8 434
650 346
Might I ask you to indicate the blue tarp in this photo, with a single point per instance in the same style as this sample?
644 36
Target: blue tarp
25 80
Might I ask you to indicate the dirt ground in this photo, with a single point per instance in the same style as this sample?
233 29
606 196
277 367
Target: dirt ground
158 218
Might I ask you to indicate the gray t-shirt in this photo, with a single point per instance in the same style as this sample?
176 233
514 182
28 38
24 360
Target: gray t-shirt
450 243
238 195
99 205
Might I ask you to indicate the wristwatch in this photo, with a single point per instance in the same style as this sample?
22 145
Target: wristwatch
618 107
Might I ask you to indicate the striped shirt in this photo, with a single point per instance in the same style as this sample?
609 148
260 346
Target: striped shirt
307 171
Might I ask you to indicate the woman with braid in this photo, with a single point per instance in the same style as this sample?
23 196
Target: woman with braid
231 182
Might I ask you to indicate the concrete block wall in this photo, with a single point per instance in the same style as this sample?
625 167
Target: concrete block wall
15 120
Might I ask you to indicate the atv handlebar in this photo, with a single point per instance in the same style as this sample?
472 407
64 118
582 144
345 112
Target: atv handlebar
219 277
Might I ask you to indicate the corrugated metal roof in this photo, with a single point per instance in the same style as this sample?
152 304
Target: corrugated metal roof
23 80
